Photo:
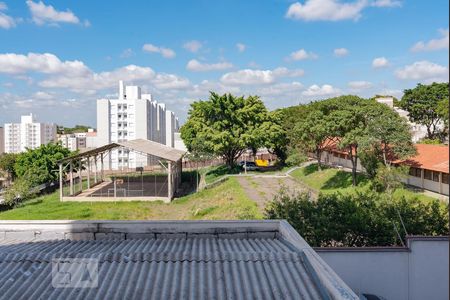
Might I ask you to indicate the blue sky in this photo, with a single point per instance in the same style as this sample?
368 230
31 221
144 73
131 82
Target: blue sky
58 57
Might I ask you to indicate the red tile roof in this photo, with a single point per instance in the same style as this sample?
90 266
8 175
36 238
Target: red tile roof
430 157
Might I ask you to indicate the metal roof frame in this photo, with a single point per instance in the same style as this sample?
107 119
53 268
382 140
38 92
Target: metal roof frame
139 145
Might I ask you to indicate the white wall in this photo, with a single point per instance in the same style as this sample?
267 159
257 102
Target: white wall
420 272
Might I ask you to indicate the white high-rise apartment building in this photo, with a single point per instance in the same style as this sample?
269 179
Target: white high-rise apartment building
133 116
28 134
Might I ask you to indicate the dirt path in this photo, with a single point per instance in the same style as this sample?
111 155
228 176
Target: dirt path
262 189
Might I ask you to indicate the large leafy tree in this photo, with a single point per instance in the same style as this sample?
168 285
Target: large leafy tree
40 164
423 105
226 126
7 161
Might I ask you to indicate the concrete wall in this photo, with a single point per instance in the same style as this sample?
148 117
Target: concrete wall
420 271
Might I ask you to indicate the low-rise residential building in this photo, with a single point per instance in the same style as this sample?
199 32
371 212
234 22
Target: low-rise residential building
73 141
28 134
429 169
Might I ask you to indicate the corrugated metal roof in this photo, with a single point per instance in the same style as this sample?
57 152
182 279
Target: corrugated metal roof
140 145
193 268
153 148
166 260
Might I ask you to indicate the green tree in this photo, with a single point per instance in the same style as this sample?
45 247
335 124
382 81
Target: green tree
7 161
313 132
423 104
227 125
41 163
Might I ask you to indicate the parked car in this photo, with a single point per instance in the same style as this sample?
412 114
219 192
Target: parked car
248 165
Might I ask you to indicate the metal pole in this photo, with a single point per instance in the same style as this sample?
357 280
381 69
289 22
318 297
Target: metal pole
101 171
169 177
71 179
60 182
96 170
80 175
88 172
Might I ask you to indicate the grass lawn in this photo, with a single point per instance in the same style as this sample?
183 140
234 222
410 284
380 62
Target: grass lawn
330 180
226 201
214 173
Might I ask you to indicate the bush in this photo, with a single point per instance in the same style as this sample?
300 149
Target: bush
365 218
21 189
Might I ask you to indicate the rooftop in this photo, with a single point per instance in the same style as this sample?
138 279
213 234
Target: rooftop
167 259
430 157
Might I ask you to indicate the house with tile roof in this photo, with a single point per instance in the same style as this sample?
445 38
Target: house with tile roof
429 168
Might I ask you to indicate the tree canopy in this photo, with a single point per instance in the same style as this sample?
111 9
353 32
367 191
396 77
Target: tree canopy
7 161
40 165
427 105
226 125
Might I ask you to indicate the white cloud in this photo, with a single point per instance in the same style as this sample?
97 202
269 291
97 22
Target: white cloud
6 22
165 52
340 52
42 14
380 62
324 90
196 66
170 81
291 88
241 47
359 85
386 3
257 77
423 70
434 44
285 72
127 53
193 46
301 55
46 63
326 10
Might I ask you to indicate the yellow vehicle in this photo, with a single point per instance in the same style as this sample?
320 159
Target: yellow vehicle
262 162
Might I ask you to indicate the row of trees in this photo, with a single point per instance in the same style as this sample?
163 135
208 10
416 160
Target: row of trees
359 127
363 218
31 168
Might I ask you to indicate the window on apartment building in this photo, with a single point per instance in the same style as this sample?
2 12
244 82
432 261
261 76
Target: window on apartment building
445 178
428 174
436 176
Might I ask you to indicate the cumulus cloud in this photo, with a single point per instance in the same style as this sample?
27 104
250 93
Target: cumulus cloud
380 62
386 3
258 77
340 52
46 63
197 66
434 44
324 90
170 81
47 14
6 22
326 10
193 46
165 52
423 70
301 54
241 47
291 88
359 85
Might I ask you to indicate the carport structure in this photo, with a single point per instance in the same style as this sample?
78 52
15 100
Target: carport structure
87 176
